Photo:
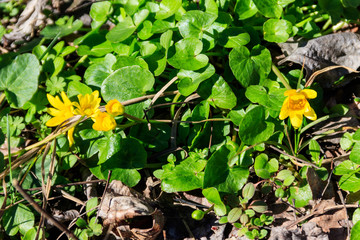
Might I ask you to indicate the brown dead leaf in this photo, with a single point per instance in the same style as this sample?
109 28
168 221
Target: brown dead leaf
129 216
329 219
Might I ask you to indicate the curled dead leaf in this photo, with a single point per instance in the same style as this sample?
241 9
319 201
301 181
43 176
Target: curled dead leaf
129 216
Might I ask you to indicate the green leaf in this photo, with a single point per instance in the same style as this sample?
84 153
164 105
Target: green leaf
263 167
346 141
222 95
259 94
355 231
269 8
121 31
234 215
234 37
245 9
185 176
127 83
193 23
190 80
188 55
356 135
61 28
91 205
75 88
345 167
140 16
248 191
302 195
97 72
19 79
100 10
250 67
350 182
314 149
261 130
218 173
126 154
355 153
258 206
168 8
356 216
55 85
213 196
18 218
277 30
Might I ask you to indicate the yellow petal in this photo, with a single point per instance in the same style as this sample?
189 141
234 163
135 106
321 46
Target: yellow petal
309 93
65 99
289 92
55 101
309 112
70 136
55 121
53 112
296 119
284 113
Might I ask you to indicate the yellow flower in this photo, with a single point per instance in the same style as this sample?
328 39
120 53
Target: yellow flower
296 105
114 107
62 111
88 104
104 122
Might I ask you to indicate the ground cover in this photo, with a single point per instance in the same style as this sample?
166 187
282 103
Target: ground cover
174 119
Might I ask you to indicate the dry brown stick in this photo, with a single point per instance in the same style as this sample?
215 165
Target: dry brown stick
41 211
319 212
162 90
177 115
344 206
68 184
103 196
143 98
294 158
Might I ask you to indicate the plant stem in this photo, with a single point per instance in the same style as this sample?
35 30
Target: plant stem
172 107
281 77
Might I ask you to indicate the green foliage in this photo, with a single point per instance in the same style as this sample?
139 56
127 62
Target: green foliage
201 95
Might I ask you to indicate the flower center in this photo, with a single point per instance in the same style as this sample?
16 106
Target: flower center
297 102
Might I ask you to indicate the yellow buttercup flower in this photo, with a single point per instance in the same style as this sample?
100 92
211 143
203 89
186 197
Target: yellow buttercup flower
115 108
88 104
104 122
296 105
62 111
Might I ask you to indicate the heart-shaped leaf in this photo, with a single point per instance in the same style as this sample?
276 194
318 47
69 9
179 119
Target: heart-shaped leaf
194 22
261 130
187 55
121 31
168 8
250 67
269 8
19 80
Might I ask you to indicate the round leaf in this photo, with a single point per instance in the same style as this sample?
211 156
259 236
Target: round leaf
127 83
277 30
222 95
19 80
121 31
187 55
194 22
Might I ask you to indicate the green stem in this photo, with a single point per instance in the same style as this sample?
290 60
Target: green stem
281 77
9 154
81 60
50 46
172 107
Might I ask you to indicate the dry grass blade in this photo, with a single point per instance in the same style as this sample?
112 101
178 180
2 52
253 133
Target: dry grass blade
315 74
162 90
41 211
